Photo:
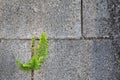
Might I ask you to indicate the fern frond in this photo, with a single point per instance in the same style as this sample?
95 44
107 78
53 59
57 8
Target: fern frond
34 62
25 67
38 54
42 49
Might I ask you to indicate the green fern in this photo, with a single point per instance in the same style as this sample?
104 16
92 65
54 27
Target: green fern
39 54
118 62
42 49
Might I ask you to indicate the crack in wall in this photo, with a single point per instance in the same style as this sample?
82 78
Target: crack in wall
82 18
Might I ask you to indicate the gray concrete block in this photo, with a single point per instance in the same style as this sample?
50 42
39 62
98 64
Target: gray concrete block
81 60
63 18
101 18
23 18
67 60
9 51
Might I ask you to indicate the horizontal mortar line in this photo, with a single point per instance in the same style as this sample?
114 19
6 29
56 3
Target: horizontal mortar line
39 39
81 38
108 37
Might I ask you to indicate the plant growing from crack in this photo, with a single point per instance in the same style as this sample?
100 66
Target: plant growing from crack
38 56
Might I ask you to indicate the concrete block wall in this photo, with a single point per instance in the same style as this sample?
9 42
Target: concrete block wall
84 38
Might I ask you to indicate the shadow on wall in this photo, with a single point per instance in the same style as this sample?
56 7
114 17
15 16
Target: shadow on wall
101 18
107 15
105 58
116 48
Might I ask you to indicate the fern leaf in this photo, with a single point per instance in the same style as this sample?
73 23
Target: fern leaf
42 49
34 62
38 54
21 66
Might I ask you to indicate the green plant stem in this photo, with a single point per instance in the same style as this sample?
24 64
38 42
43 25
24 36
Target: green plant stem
32 53
32 75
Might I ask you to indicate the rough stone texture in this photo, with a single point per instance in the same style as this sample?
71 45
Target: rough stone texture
81 60
63 18
9 51
101 18
23 18
68 59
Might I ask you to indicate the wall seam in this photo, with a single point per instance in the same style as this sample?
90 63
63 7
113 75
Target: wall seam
85 38
82 18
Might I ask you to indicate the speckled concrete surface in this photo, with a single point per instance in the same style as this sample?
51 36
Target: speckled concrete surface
67 60
23 18
81 60
78 49
9 51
